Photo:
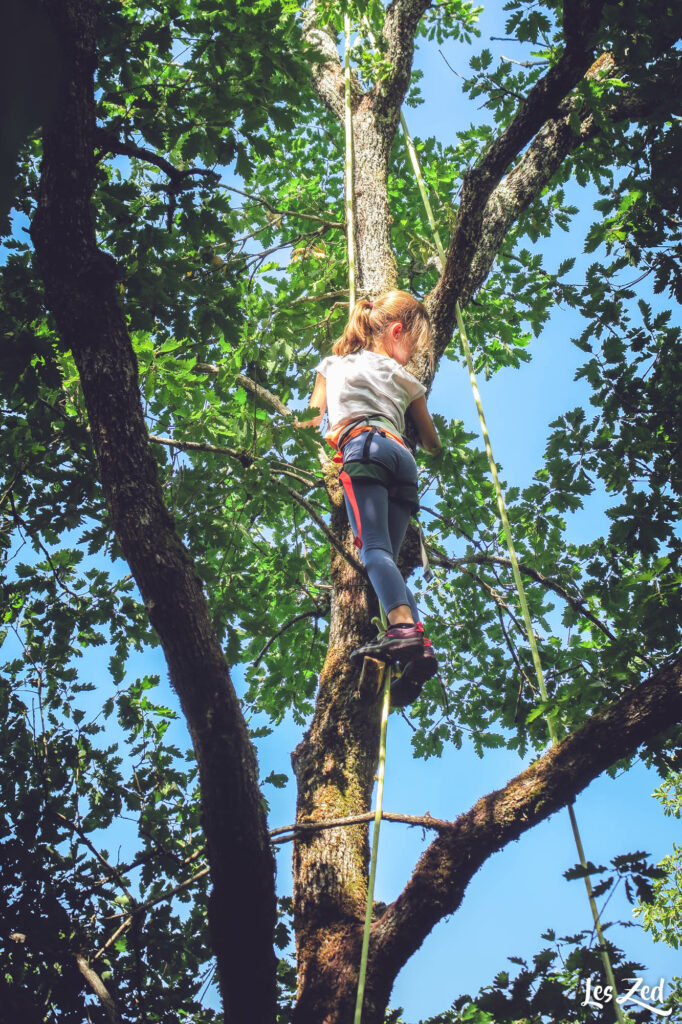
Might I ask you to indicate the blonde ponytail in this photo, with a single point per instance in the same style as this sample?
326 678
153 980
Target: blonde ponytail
372 319
359 330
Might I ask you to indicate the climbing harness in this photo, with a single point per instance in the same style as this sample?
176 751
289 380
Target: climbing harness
347 431
363 468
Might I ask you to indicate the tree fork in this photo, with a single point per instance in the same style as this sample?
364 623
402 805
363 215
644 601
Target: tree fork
80 288
446 867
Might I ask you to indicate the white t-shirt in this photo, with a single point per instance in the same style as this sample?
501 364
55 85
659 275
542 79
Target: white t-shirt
366 383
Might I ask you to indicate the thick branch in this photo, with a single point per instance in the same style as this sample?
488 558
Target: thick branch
440 879
400 26
328 74
81 293
556 141
540 104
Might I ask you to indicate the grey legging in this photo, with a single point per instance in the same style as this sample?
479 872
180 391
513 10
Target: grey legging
383 520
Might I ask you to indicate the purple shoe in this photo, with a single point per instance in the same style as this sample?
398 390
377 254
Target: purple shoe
398 643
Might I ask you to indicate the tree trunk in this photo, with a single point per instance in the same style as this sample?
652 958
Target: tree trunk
377 267
334 766
81 292
336 762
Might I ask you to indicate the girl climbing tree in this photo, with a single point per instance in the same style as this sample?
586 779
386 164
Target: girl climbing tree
367 390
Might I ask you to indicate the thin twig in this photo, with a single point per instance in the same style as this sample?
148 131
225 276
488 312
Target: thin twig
284 244
279 835
10 486
524 63
112 938
142 908
21 522
343 294
578 604
176 174
285 213
316 612
112 871
498 599
352 561
244 458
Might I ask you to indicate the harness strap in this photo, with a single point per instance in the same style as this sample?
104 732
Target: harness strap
350 494
338 437
368 440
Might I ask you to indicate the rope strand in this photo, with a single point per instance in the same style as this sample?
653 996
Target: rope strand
381 770
551 724
348 131
386 670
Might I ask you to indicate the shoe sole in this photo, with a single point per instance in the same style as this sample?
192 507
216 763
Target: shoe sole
409 685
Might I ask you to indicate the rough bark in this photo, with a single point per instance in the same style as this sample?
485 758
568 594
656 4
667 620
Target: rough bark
398 35
372 139
374 127
81 292
334 766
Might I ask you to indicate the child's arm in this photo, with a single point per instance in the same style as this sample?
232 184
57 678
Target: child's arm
318 400
428 436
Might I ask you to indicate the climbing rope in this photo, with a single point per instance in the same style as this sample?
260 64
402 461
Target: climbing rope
349 184
386 671
551 724
381 770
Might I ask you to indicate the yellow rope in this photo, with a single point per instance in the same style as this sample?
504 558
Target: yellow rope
551 724
386 670
385 708
348 126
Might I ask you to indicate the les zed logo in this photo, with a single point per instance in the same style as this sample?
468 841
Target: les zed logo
598 995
